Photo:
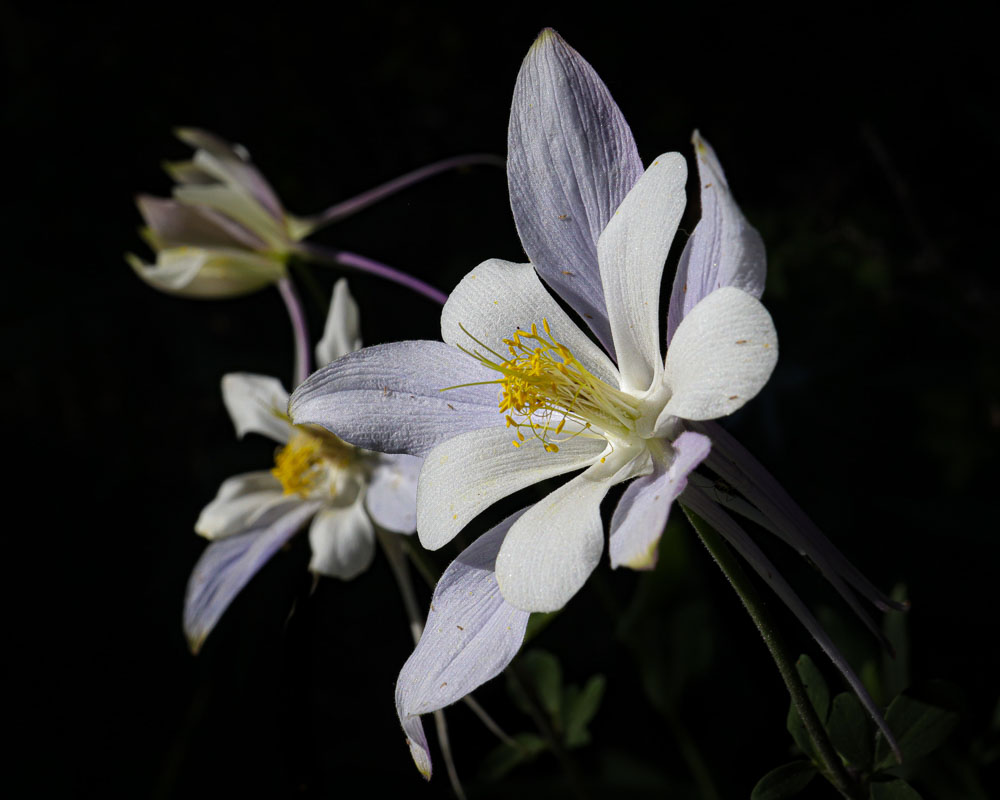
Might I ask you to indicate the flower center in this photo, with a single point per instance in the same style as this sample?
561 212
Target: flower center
313 463
544 387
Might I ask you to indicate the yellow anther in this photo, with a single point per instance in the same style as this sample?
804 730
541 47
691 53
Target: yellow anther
304 465
543 385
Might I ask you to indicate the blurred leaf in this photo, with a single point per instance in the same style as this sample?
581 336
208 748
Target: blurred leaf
850 731
893 790
785 781
579 708
896 670
818 695
919 727
504 758
538 622
540 671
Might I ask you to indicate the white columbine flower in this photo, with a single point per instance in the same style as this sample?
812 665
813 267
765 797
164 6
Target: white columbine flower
224 232
345 491
517 393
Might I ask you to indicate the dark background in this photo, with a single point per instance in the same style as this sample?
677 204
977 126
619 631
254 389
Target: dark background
863 144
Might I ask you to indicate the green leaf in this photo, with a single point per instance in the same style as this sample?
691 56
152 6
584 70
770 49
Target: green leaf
920 728
540 670
850 730
818 695
893 790
504 758
579 708
785 781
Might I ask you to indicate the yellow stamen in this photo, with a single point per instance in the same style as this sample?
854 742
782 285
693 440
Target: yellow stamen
544 386
304 465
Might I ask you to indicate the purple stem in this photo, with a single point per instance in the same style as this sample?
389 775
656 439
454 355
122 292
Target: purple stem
299 330
365 199
329 255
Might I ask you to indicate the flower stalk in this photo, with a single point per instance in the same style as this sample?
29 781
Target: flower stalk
319 254
300 332
372 196
832 767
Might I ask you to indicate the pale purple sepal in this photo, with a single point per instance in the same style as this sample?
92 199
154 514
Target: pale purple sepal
236 161
174 224
471 635
696 500
738 467
392 494
571 160
642 512
389 397
724 250
228 564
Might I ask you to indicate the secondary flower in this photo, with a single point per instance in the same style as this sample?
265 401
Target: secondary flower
345 491
224 232
518 393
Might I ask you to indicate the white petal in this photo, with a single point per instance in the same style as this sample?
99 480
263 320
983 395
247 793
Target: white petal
720 357
550 551
239 503
467 474
342 334
209 273
390 398
471 635
724 250
631 251
499 297
392 495
257 403
342 541
642 512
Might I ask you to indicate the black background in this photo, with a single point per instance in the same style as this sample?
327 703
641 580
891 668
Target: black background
863 144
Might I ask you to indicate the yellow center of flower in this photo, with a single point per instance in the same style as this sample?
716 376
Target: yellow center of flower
544 387
310 463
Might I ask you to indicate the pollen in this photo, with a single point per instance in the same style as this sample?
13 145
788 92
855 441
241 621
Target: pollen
308 464
544 388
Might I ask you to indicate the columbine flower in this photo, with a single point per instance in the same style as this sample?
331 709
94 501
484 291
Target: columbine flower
224 232
518 393
344 490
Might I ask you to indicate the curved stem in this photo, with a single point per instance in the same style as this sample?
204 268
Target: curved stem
365 199
833 767
328 255
299 330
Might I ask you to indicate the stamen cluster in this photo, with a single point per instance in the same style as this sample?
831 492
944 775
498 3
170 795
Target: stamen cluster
306 465
544 386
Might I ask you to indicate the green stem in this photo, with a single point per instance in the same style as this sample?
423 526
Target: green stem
832 767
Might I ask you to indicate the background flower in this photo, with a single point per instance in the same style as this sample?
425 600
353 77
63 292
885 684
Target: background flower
224 232
343 490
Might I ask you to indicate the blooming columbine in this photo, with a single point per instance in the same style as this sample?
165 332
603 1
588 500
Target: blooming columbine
224 232
344 490
597 229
